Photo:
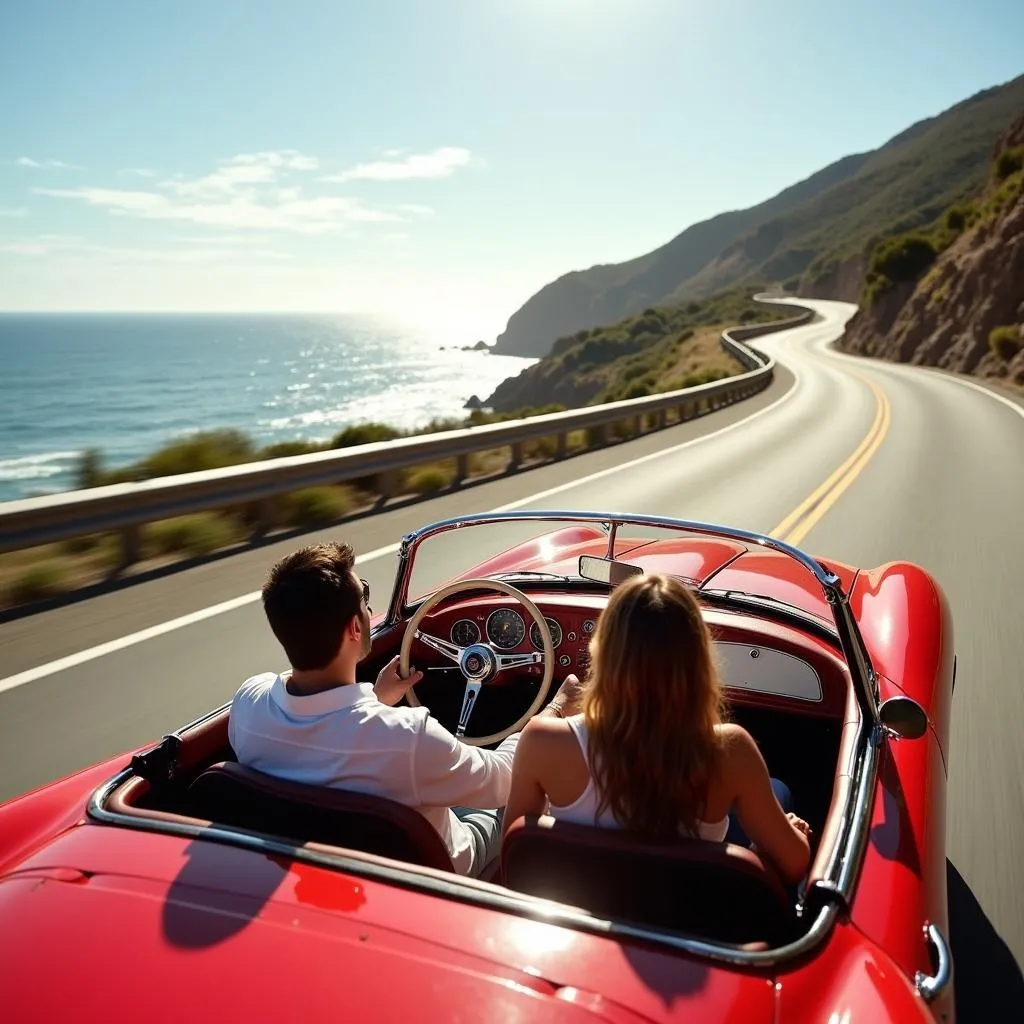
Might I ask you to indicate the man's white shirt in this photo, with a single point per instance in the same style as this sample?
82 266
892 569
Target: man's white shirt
345 737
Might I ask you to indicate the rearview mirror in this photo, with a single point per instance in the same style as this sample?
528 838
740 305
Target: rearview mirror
904 717
607 570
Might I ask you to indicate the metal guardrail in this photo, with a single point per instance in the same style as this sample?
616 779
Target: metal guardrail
127 507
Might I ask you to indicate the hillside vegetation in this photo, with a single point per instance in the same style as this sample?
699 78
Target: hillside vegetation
951 293
660 349
814 236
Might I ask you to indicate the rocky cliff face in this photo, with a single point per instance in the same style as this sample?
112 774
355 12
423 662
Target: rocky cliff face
967 312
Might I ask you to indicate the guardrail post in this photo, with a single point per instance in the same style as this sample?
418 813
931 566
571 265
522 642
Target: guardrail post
389 483
516 458
562 445
461 469
266 515
131 545
660 419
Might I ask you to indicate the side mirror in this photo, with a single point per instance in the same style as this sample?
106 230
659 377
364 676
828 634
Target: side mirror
607 570
903 717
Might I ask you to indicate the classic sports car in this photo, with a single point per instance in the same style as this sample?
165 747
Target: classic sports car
173 883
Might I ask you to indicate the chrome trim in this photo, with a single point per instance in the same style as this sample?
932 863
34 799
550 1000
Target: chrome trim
931 986
834 891
850 640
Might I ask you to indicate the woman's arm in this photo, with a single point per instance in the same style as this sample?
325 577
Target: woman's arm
778 837
527 795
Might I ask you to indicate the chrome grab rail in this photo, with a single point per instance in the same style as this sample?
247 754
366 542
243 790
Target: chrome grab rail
931 986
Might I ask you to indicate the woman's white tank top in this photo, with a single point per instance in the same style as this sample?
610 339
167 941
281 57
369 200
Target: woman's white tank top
583 810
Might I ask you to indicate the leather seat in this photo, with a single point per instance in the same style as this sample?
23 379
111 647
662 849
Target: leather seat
709 890
228 793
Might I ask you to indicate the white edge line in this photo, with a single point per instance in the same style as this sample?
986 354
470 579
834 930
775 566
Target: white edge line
1009 403
142 635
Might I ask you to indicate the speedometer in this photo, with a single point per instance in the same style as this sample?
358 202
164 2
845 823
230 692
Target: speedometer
538 641
505 628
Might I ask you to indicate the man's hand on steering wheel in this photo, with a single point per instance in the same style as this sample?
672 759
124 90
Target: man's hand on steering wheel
391 687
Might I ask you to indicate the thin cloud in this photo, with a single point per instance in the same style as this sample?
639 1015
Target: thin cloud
13 211
27 161
140 172
71 245
265 191
314 216
439 163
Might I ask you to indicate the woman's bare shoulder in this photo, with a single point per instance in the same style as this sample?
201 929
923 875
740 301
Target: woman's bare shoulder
737 745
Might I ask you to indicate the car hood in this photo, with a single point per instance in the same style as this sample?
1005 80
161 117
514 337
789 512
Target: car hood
156 927
710 563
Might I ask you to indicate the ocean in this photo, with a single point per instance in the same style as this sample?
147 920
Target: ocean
127 383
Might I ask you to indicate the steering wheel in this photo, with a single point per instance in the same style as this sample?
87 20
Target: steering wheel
480 662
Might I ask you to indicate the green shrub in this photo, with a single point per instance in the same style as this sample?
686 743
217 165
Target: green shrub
1005 342
39 581
89 471
1010 161
82 545
198 534
541 448
637 390
903 258
428 479
364 433
209 449
283 449
957 217
316 506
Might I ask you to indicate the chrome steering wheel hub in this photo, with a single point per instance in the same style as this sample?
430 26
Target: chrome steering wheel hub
478 662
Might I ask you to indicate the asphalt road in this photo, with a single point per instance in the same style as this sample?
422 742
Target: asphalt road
939 481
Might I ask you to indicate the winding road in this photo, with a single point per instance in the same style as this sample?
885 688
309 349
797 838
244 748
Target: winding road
849 458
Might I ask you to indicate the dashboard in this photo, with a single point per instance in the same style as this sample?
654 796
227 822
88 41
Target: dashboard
761 661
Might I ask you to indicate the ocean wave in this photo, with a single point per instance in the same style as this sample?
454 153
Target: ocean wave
37 467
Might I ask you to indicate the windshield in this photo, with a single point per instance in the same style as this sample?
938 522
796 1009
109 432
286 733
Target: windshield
553 547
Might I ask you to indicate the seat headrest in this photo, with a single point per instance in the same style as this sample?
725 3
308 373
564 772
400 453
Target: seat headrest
233 794
712 890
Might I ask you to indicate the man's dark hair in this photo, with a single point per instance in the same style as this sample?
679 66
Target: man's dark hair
310 596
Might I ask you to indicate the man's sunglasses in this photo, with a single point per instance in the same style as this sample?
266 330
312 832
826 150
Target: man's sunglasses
366 593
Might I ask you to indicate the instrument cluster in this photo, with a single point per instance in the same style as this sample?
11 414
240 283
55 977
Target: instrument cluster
507 629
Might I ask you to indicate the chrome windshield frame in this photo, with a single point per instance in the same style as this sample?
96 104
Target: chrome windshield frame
851 642
828 898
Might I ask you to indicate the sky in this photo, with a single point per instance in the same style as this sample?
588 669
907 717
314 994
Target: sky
434 160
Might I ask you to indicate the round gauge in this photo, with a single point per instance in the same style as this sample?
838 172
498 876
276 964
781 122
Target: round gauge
538 641
588 626
505 628
465 632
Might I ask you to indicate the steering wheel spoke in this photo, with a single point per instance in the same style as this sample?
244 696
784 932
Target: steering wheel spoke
480 662
469 697
449 650
518 660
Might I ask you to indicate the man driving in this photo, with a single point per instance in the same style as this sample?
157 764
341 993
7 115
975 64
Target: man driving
316 724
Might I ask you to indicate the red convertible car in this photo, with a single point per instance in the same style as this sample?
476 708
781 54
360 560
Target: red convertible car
172 883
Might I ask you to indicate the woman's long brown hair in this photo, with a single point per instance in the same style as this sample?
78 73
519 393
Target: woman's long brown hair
652 704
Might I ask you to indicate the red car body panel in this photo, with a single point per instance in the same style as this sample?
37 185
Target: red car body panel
908 630
242 931
158 927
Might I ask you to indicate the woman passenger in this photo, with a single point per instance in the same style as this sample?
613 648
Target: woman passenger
645 747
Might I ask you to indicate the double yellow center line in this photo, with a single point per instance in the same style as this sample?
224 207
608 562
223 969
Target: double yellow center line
810 511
